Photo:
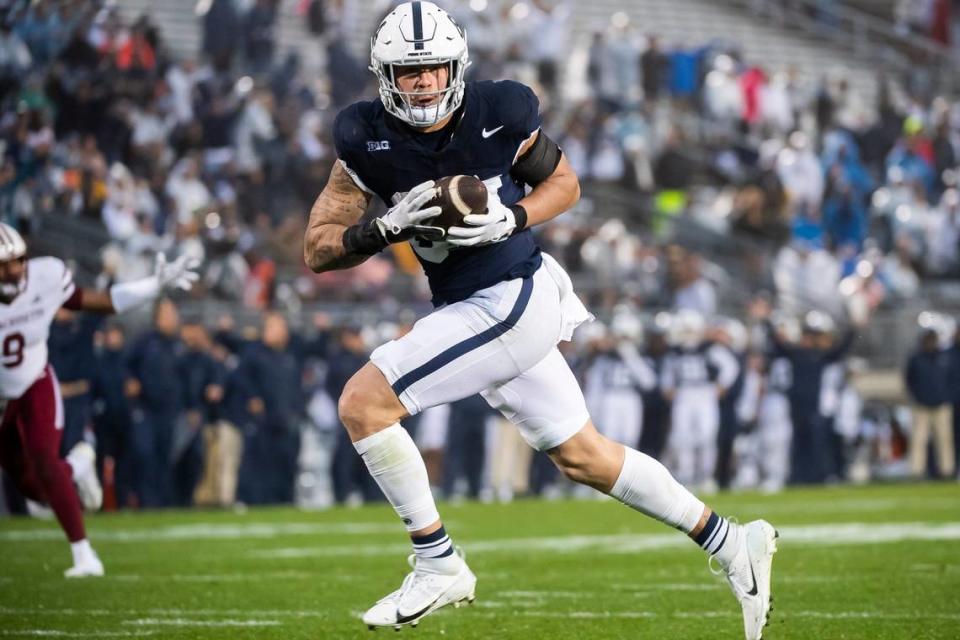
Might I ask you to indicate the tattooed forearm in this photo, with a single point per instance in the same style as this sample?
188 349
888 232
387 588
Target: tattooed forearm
341 204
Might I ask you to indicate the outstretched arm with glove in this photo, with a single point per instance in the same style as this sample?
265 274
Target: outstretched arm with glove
167 276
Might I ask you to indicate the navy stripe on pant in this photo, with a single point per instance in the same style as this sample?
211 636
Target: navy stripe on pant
446 357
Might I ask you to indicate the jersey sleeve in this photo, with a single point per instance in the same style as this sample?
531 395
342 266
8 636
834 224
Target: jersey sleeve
349 135
519 108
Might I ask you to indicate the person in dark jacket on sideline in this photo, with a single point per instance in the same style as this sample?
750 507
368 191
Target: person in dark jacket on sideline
273 372
202 390
928 378
111 417
156 393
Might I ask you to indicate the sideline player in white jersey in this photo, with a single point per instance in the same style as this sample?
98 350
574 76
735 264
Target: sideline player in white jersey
696 374
764 403
502 306
31 292
614 381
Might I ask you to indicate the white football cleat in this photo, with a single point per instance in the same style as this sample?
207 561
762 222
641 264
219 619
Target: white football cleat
83 461
749 575
89 567
432 584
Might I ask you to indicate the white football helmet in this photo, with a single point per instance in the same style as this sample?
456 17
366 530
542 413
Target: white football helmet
688 329
818 322
414 34
732 333
12 247
625 325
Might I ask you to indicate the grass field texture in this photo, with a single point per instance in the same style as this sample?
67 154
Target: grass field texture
873 563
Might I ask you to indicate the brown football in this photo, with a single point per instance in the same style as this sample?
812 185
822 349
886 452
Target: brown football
458 196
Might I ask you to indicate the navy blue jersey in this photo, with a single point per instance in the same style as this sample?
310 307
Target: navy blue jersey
388 158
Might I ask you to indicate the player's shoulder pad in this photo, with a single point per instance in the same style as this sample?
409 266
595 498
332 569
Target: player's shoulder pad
516 105
352 127
46 267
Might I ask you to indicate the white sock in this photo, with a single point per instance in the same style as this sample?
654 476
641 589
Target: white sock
645 485
81 551
396 464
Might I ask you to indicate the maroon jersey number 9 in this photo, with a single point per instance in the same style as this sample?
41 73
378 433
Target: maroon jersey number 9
13 350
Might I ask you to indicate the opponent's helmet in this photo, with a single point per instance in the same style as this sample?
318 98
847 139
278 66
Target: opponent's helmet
12 245
414 34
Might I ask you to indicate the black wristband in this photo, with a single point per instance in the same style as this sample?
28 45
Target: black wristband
363 239
520 216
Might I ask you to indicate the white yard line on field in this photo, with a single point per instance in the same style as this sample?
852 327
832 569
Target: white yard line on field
248 613
246 576
184 622
209 531
826 615
56 633
857 533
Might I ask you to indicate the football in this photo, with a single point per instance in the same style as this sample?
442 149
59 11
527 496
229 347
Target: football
458 196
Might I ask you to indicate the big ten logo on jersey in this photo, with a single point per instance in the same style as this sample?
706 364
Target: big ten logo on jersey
437 252
378 145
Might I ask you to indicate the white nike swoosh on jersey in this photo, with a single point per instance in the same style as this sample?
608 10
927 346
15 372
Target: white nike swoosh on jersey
487 134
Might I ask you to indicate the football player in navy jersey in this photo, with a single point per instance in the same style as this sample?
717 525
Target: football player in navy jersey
502 306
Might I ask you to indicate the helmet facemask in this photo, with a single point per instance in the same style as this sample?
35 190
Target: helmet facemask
448 98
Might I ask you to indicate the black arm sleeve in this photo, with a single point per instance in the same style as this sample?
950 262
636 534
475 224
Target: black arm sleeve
538 163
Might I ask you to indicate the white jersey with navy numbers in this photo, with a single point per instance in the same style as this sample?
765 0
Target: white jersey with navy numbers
705 366
25 324
615 371
386 157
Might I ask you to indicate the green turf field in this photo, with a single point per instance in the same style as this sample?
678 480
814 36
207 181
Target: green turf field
878 562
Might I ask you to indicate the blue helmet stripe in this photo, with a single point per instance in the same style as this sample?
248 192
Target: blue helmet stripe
417 26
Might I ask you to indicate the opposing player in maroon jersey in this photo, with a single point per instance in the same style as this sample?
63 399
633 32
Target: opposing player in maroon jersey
31 292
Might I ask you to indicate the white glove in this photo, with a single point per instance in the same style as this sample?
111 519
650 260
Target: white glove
179 274
402 221
493 226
